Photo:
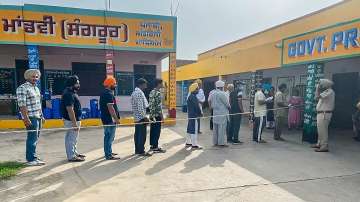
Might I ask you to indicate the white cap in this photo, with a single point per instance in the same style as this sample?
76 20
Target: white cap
219 84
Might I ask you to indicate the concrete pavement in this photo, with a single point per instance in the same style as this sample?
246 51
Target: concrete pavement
276 171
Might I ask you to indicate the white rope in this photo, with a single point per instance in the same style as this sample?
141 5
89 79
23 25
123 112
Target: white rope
140 123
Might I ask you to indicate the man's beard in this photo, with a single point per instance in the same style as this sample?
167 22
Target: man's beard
77 88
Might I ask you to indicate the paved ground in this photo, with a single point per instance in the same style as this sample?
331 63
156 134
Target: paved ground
275 171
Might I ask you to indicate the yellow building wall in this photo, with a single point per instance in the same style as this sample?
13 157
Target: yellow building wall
259 51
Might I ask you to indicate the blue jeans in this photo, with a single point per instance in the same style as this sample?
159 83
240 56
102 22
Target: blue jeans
109 136
71 139
32 138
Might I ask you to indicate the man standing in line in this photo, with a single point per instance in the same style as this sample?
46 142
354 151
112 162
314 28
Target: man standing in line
201 97
139 106
71 113
259 114
229 89
220 105
194 112
156 115
280 112
211 111
109 116
324 109
29 102
235 116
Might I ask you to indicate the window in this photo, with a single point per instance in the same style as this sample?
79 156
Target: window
91 77
55 80
7 81
125 82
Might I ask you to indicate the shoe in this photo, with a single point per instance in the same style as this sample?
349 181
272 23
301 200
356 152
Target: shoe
40 162
237 142
198 147
225 145
81 155
113 158
279 139
114 154
158 150
321 150
188 145
35 163
262 141
145 154
76 159
199 132
315 146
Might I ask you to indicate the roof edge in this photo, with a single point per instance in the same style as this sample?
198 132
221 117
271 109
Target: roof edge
279 25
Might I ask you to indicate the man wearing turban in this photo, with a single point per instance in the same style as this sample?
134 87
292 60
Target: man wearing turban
194 113
324 108
220 105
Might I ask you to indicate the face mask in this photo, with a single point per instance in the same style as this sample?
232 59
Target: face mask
113 88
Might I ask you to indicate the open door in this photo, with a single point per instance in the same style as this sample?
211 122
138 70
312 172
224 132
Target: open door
346 96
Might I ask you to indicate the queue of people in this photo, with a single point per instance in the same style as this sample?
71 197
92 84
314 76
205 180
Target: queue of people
29 102
227 111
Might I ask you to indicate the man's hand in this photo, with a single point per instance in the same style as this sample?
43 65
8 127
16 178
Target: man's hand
146 120
27 123
117 122
43 120
75 126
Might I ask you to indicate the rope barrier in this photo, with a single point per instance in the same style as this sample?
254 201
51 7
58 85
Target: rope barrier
148 122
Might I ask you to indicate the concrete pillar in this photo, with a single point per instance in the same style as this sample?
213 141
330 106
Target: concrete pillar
314 73
172 85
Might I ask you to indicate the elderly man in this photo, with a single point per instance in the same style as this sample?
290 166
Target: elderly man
324 109
220 105
29 102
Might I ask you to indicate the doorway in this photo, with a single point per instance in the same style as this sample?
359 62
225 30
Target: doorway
346 96
23 65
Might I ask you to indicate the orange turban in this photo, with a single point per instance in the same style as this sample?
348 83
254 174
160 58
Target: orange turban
109 81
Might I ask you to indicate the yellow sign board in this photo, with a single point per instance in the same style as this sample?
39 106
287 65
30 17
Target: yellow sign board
82 28
337 41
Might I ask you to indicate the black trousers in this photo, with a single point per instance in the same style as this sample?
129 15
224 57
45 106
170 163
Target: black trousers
198 125
235 122
155 130
259 124
140 137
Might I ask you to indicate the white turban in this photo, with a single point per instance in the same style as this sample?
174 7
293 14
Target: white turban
219 84
326 83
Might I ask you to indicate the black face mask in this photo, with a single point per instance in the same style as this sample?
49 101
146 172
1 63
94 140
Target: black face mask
112 88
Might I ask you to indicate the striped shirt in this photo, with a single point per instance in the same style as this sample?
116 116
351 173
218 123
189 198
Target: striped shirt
28 95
